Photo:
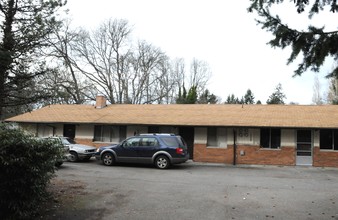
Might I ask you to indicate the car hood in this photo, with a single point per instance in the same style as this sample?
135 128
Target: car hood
108 147
81 146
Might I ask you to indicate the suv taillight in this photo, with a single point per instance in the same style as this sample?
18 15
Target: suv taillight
179 150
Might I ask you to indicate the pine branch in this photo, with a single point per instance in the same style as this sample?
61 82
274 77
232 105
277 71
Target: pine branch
314 44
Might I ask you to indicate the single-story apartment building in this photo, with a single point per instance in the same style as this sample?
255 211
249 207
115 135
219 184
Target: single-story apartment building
231 134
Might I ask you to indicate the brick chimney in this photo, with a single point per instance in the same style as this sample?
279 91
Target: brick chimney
101 101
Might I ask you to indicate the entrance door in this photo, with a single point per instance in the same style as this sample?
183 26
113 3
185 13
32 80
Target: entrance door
187 133
304 148
69 130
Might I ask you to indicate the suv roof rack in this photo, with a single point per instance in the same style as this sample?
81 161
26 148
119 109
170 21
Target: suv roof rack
157 134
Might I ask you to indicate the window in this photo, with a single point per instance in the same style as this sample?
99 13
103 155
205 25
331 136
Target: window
171 142
109 133
216 137
132 142
149 142
329 139
270 137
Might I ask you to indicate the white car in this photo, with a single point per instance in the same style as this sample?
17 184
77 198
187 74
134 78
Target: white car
77 152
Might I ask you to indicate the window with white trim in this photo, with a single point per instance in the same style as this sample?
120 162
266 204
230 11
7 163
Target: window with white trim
328 139
216 137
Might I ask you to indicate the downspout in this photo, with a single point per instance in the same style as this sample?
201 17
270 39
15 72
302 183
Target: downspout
235 147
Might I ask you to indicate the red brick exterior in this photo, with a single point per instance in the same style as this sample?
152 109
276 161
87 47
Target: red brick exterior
101 101
252 155
322 158
257 155
213 155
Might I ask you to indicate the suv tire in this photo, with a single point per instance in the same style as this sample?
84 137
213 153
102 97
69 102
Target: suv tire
162 162
108 159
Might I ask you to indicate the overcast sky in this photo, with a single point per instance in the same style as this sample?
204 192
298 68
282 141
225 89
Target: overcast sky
223 35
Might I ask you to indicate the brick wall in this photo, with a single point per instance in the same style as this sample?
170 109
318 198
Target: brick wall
213 155
263 156
252 155
325 158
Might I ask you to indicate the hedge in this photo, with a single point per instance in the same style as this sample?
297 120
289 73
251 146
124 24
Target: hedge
26 166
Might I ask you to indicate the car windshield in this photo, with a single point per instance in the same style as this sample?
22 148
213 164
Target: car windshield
68 141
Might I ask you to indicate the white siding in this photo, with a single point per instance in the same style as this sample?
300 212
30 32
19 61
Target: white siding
84 131
248 136
316 138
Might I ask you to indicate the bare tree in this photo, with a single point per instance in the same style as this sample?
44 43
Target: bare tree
169 82
332 96
147 65
200 74
317 97
179 70
105 53
66 80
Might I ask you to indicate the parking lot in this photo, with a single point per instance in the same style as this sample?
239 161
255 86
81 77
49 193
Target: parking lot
198 191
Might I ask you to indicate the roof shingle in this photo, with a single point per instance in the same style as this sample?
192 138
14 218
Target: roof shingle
301 116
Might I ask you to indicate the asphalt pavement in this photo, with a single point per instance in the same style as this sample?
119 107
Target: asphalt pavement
200 191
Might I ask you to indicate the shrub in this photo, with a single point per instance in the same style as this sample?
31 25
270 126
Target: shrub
26 166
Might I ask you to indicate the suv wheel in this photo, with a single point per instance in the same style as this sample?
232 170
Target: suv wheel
108 159
162 162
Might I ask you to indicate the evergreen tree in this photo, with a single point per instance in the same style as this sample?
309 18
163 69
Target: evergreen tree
249 97
277 97
181 99
184 96
207 98
231 99
192 96
25 25
315 44
179 96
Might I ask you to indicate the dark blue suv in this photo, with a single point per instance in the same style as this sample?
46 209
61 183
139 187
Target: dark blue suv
162 150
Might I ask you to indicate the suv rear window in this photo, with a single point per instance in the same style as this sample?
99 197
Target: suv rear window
174 141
